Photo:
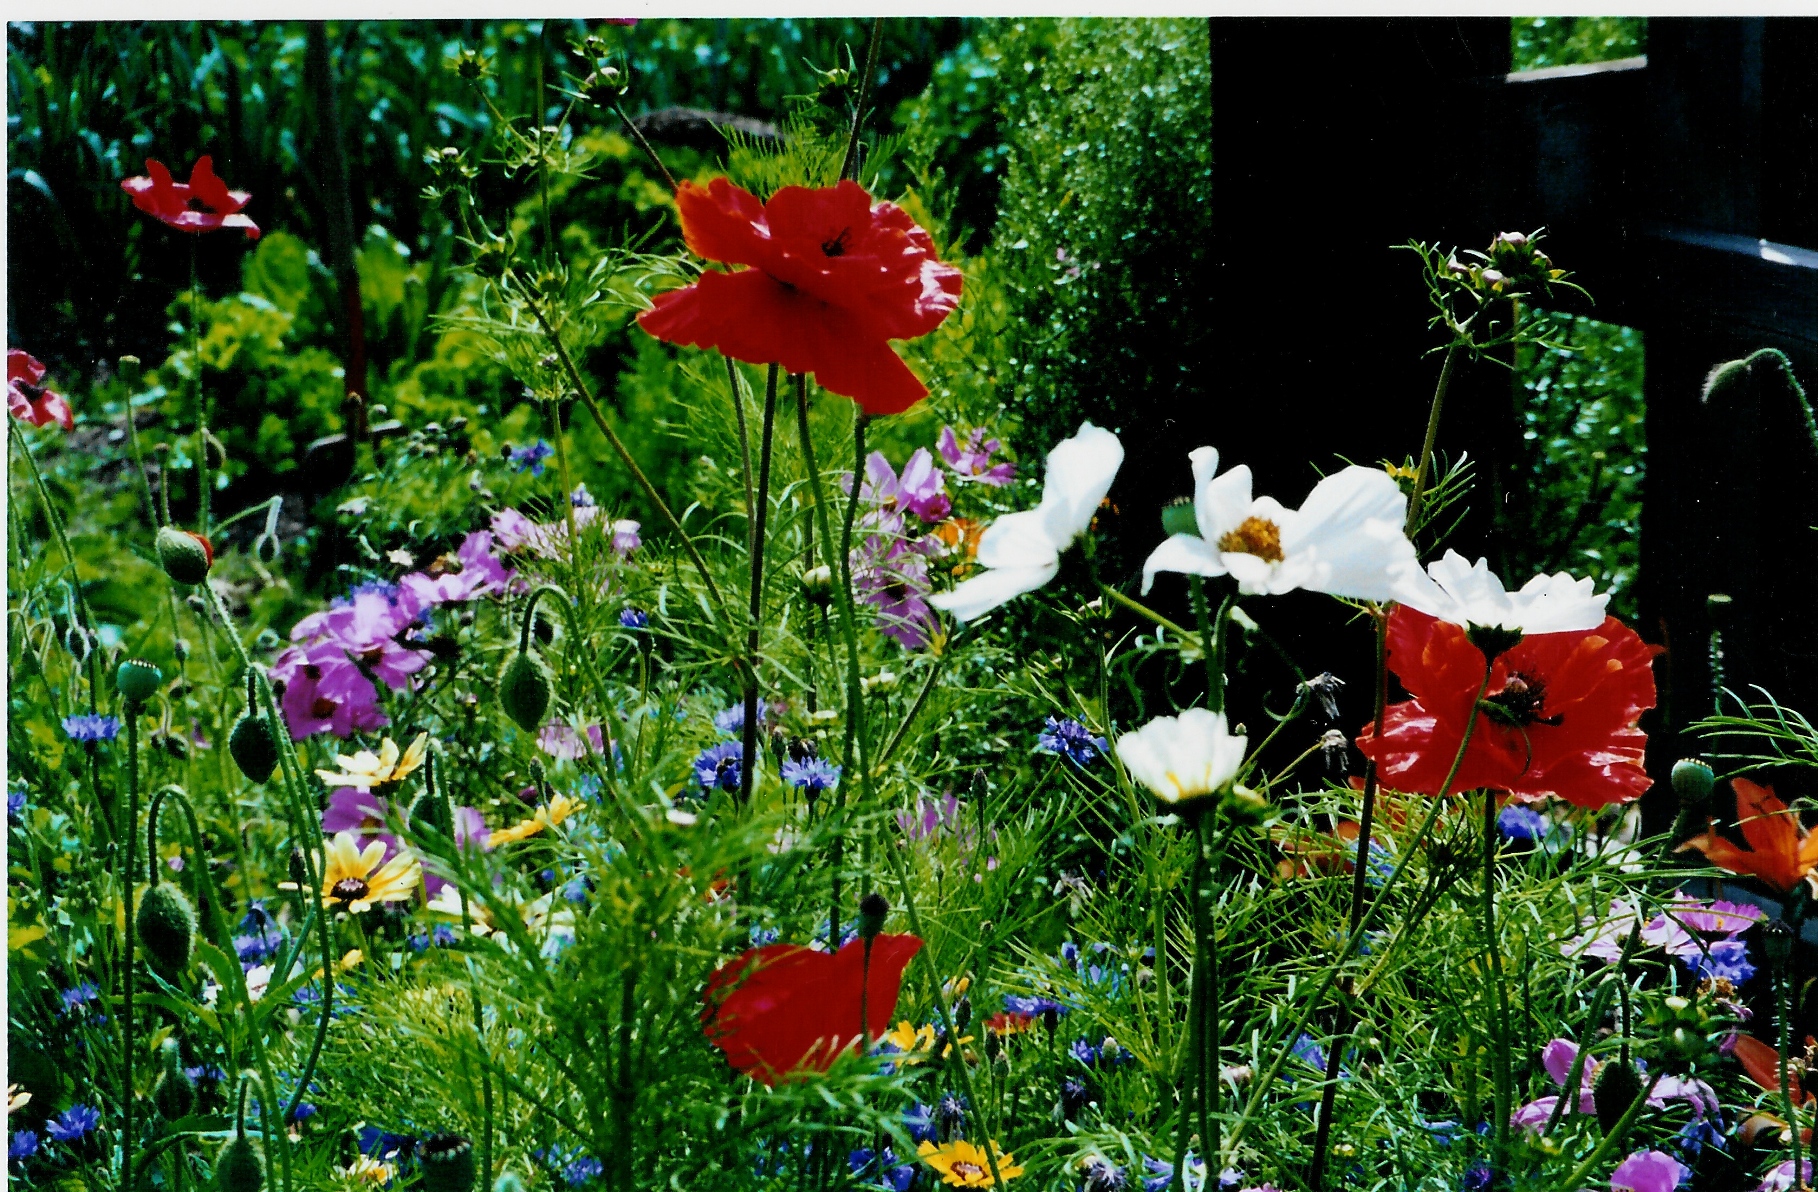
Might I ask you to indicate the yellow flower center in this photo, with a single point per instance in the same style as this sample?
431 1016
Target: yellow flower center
1256 536
350 889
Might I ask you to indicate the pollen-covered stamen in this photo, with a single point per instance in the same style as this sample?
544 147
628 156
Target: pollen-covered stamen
836 247
1255 536
350 889
1519 702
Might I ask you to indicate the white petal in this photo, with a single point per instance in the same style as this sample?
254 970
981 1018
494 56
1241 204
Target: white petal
1347 540
1183 553
1018 540
1222 504
1205 466
982 593
1255 575
1347 498
1558 604
1182 757
1080 472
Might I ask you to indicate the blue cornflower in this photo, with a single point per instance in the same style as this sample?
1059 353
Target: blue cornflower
79 995
582 1170
1069 952
91 728
1521 823
15 806
588 786
1034 1006
73 1124
1070 739
1099 1055
1310 1053
576 889
257 918
1099 1174
378 1142
918 1120
257 949
1699 1133
442 935
633 619
368 587
206 1073
22 1145
1477 1177
580 498
732 720
950 1115
762 935
814 776
529 457
882 1168
719 766
1075 1095
303 1112
1728 959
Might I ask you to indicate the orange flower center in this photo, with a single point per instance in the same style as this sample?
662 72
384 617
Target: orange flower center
1256 536
969 1170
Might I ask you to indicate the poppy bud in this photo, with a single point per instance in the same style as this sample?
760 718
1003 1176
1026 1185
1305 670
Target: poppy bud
1692 782
1178 517
817 584
299 869
186 557
238 1167
137 681
525 689
1050 1018
1777 943
254 747
1615 1089
962 1014
175 1092
872 910
167 928
431 812
994 1044
446 1161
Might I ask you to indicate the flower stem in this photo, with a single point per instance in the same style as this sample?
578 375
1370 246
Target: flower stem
738 409
1786 1043
1446 372
1499 1032
1196 981
1204 1012
618 445
127 1017
624 1099
748 759
195 360
1260 1086
849 165
552 410
1613 1138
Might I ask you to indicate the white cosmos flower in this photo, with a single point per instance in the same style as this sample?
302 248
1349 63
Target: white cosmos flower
1183 757
1466 594
1021 551
1346 540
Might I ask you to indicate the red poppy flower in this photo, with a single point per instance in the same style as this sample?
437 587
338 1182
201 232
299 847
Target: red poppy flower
832 279
783 1008
26 400
203 204
1559 717
1781 851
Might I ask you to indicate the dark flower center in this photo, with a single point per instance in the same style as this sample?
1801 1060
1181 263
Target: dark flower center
836 247
1255 536
323 708
897 593
963 1168
196 204
32 392
1519 702
350 889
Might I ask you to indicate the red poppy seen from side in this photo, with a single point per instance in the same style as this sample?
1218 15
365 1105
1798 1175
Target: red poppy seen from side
203 204
830 279
784 1008
1560 716
27 400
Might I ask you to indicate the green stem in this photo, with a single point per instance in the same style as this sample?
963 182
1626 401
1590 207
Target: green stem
915 709
1196 1055
127 1017
1499 1033
849 165
553 412
1600 1005
195 359
753 643
637 135
129 377
1260 1086
1786 1042
738 409
618 445
1143 610
1613 1138
624 1100
1446 372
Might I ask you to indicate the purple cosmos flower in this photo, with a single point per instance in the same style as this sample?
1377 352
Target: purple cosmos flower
921 489
815 777
73 1124
531 457
22 1145
625 536
473 572
973 461
732 720
719 766
1780 1179
91 728
880 1168
1648 1171
893 579
1516 822
1070 739
633 619
564 743
361 812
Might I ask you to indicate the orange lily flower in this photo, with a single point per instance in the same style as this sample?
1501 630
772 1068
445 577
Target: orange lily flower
1781 852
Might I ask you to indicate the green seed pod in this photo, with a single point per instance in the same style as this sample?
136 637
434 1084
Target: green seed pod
431 812
254 748
447 1163
872 911
1615 1089
1692 782
175 1093
186 557
525 689
137 681
1178 517
167 928
238 1167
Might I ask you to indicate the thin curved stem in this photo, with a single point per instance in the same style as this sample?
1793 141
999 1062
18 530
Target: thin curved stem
1446 371
127 1018
753 630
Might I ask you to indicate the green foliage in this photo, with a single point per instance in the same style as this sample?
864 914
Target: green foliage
1539 42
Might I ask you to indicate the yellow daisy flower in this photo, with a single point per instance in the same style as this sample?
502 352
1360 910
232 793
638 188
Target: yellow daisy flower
366 1170
16 1097
547 816
911 1041
964 1165
356 878
367 770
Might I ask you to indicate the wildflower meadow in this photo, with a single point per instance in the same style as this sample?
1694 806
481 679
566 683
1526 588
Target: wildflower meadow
548 652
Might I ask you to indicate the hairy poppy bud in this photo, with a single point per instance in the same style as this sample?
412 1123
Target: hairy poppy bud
186 557
299 868
872 910
238 1167
254 747
137 681
1615 1089
962 1014
431 812
994 1044
1777 942
525 688
1178 517
817 584
1692 782
167 928
175 1092
447 1163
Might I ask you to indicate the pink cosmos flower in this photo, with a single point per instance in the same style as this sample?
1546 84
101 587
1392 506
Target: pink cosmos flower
894 580
471 573
26 400
512 531
368 625
324 691
1557 1058
564 743
973 461
1648 1171
1781 1178
920 490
